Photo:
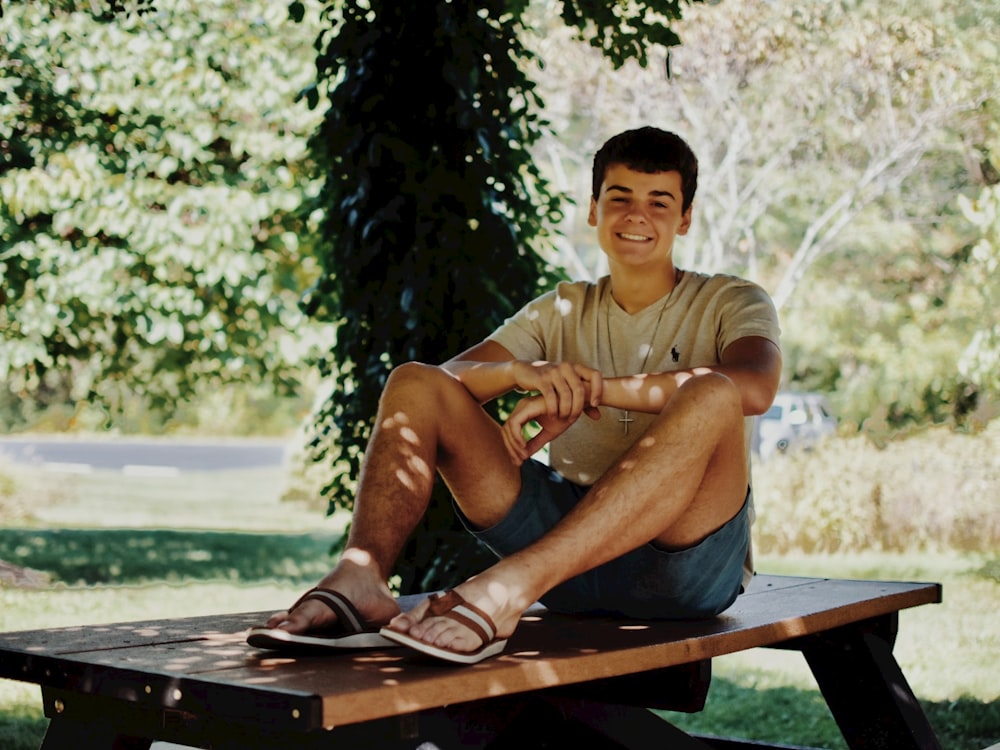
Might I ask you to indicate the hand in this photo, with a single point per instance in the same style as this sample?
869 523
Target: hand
533 409
566 388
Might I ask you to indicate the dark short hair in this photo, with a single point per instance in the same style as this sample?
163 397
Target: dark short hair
650 150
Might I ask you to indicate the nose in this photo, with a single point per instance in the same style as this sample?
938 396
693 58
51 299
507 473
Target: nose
636 214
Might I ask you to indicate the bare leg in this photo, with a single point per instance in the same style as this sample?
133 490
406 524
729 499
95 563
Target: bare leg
426 421
684 479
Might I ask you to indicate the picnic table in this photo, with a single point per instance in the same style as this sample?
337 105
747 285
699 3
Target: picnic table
562 682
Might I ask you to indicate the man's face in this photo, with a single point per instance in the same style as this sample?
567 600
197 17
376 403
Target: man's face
638 215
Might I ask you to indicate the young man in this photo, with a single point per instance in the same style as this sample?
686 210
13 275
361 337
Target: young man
643 385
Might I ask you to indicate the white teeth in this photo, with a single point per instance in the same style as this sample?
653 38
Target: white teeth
639 237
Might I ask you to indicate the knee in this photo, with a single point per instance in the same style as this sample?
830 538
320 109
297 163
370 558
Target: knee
713 393
418 378
410 374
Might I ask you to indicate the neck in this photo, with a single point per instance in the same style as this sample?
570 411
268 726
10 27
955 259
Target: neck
634 292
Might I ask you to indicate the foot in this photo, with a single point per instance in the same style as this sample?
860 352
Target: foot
369 594
503 602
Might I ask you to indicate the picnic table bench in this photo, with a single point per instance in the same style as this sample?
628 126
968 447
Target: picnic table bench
562 682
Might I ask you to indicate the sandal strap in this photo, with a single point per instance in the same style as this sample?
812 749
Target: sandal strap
452 604
348 617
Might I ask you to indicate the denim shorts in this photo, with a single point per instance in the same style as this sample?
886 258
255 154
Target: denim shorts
647 583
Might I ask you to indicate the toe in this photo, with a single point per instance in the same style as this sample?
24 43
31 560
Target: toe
277 619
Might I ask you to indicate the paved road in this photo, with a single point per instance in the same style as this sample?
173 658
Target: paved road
138 455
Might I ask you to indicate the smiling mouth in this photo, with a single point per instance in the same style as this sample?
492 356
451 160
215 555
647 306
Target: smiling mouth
634 237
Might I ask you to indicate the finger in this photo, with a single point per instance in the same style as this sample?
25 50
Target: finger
513 439
550 397
536 443
596 380
564 396
513 447
577 399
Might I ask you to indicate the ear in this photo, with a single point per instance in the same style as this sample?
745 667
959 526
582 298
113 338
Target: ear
592 216
685 221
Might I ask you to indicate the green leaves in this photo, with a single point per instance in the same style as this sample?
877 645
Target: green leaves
980 361
152 176
624 30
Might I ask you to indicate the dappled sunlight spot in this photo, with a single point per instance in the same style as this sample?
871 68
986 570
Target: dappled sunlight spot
260 680
399 419
419 466
377 658
628 465
147 632
633 627
633 383
182 664
656 393
647 442
564 307
357 556
177 659
228 663
497 591
531 618
275 661
227 652
406 480
525 654
223 639
391 670
409 435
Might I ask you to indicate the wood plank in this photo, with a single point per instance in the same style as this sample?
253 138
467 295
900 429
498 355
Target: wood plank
206 662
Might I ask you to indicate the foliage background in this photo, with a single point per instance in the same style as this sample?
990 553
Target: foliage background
162 213
173 181
153 245
838 144
158 219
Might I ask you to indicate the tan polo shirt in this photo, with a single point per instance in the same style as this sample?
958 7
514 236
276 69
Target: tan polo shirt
580 322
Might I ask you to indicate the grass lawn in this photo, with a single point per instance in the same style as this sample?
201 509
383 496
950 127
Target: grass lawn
127 548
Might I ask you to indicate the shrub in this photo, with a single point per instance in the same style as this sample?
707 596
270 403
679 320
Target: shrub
935 490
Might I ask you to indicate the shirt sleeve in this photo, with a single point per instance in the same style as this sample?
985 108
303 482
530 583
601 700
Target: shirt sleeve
523 334
747 310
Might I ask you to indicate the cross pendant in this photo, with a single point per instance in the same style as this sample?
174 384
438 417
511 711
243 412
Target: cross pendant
625 420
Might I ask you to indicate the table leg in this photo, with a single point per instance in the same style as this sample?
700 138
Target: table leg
866 690
67 734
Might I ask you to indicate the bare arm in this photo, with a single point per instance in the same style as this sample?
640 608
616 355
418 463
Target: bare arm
488 370
753 363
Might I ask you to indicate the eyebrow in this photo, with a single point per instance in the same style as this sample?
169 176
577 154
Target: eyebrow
654 193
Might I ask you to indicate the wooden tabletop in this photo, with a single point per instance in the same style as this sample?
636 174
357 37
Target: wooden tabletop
203 664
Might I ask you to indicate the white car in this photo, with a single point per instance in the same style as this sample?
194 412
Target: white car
794 420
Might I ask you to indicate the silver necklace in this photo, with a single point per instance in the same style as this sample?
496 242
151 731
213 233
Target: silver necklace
625 419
